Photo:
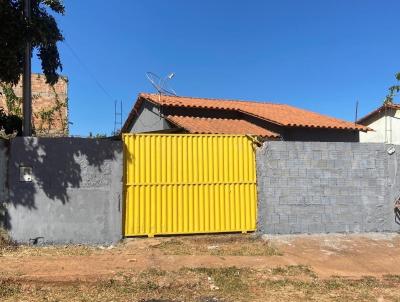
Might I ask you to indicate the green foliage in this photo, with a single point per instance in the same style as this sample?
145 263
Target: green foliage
97 135
10 123
393 91
47 116
42 31
12 120
13 102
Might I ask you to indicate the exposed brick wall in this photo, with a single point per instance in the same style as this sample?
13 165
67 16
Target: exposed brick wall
324 187
44 98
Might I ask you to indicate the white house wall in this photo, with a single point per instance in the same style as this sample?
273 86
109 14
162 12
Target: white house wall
379 125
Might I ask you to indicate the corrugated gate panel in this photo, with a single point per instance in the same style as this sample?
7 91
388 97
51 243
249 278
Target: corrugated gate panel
182 183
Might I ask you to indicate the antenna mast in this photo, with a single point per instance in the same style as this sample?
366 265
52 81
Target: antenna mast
117 117
356 117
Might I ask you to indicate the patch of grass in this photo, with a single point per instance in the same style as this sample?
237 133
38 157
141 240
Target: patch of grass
334 284
285 283
10 248
147 283
195 284
294 270
173 247
60 250
392 278
156 300
257 249
218 245
154 285
9 288
4 238
227 279
127 286
6 244
148 286
153 272
169 244
364 289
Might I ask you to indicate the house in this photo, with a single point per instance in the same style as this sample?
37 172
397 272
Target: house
49 105
162 113
385 123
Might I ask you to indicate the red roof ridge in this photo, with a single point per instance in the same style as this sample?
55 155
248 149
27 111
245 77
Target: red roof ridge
144 94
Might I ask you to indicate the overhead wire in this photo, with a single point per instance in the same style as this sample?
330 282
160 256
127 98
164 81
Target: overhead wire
89 72
87 69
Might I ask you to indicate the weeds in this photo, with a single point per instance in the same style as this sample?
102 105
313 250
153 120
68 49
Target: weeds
227 245
294 270
9 288
62 250
6 243
209 284
227 279
392 278
153 272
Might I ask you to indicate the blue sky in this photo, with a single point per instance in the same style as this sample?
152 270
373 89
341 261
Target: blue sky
317 55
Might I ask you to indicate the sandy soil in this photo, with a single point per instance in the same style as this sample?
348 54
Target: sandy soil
350 256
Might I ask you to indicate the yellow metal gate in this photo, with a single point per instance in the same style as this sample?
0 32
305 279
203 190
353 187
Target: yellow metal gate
183 183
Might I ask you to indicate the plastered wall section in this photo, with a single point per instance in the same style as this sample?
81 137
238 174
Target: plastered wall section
75 195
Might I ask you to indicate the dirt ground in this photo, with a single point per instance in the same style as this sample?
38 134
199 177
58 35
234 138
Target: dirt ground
228 267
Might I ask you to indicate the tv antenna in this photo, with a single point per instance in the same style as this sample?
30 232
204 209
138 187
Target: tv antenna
117 117
161 84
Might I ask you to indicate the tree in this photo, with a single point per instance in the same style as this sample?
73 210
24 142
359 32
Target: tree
393 90
42 31
9 124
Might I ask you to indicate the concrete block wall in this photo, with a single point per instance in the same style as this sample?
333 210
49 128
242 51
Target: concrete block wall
325 187
75 195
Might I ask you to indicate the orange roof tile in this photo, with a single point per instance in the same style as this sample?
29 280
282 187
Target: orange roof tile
219 125
279 114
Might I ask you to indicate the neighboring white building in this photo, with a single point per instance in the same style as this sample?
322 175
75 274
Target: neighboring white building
385 123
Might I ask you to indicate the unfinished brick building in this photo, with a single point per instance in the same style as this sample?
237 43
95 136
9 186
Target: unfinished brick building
49 105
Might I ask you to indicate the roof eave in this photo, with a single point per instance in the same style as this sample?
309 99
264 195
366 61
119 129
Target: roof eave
356 128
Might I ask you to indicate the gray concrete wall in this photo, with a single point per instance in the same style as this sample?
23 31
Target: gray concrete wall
149 119
3 179
75 195
321 187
